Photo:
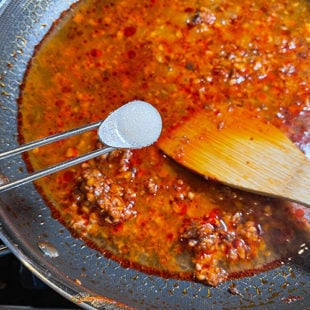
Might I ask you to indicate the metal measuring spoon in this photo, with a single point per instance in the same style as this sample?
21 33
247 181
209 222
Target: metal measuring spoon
134 125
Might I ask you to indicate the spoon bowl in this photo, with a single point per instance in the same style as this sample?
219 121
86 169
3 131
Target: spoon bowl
134 125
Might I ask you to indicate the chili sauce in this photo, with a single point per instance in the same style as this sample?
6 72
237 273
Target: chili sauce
138 206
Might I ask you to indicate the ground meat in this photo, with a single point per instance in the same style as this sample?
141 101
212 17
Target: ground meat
110 200
217 238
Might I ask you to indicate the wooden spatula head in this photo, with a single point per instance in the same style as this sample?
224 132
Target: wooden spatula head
241 151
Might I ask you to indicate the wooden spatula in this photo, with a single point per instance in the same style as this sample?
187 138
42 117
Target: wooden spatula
241 151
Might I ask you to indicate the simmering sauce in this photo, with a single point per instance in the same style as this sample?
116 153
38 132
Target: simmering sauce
138 206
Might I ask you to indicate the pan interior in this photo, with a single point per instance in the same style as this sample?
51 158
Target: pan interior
27 222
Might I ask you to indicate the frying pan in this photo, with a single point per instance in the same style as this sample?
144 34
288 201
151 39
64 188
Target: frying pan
74 270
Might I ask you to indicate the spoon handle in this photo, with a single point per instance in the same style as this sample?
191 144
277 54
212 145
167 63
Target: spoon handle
57 167
50 139
52 169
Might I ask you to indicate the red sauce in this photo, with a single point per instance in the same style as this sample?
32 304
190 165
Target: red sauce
139 207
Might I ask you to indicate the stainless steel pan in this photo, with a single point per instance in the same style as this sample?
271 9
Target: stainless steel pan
66 264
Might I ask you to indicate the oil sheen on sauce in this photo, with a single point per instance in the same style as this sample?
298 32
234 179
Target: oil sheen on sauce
139 207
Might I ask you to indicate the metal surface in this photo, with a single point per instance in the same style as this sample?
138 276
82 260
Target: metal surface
4 250
78 272
57 167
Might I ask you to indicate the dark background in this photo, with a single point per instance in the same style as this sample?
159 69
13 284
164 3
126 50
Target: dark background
19 287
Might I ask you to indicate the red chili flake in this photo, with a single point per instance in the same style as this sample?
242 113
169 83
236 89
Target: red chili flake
95 52
68 176
170 236
59 103
189 10
60 123
131 54
141 173
213 216
66 89
130 31
118 227
299 213
180 209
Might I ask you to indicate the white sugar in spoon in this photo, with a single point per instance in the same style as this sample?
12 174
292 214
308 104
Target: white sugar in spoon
134 125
